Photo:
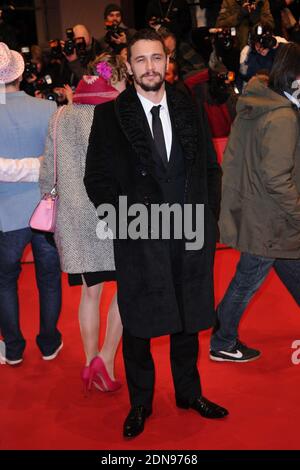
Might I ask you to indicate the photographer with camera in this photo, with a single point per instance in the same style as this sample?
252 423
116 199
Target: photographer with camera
225 48
34 68
39 81
260 54
117 34
243 15
174 15
214 91
80 48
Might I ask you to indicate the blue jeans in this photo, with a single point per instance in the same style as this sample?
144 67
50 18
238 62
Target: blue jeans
48 276
250 273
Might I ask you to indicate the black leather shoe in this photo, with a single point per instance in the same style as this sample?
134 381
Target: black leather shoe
204 407
135 421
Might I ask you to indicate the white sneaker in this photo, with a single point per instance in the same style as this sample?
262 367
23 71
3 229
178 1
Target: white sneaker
53 356
13 363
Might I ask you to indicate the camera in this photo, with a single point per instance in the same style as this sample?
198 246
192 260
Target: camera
73 44
55 49
80 47
45 86
30 67
264 37
225 38
113 31
70 45
220 85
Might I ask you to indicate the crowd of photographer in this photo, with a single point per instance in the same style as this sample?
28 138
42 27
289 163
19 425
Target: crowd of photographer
241 35
55 72
215 48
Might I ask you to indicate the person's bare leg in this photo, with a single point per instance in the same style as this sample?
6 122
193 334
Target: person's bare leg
89 320
113 335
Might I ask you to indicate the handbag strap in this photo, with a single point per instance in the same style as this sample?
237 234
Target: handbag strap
55 142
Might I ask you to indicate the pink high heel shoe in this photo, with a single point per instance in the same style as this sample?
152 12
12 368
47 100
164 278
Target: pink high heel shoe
87 383
100 378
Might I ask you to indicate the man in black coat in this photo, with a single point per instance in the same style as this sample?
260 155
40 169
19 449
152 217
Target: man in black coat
151 147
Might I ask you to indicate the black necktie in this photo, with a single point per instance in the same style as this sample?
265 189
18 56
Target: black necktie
158 134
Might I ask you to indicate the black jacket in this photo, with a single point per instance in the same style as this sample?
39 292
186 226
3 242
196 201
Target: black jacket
120 162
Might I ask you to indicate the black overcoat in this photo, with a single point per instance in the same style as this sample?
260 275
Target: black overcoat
120 162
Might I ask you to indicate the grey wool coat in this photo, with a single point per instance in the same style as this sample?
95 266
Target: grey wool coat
79 247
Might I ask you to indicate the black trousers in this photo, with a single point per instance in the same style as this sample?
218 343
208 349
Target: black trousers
140 373
184 348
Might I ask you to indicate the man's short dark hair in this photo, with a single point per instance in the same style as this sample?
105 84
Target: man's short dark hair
286 68
145 35
112 7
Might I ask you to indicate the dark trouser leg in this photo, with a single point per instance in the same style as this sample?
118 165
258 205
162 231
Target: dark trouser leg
12 245
250 273
48 276
139 368
184 350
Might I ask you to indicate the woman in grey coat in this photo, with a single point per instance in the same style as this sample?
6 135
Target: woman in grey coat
88 260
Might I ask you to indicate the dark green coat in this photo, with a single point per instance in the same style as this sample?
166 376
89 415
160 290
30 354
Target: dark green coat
260 208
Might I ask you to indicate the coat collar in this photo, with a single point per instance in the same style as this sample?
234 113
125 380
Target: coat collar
134 124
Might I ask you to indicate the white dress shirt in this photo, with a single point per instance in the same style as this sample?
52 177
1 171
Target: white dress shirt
164 117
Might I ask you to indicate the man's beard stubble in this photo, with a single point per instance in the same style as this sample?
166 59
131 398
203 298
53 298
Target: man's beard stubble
155 87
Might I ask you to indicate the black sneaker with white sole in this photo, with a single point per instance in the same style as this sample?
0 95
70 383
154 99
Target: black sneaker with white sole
239 353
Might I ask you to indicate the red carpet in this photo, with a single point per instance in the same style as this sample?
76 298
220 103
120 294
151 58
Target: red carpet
42 405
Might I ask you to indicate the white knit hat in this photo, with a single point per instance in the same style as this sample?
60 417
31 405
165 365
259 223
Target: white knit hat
11 64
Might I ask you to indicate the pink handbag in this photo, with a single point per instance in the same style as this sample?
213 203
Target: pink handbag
44 215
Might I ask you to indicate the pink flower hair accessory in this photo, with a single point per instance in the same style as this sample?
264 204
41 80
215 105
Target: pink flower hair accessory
104 70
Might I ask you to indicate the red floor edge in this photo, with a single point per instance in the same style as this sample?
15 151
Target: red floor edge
42 405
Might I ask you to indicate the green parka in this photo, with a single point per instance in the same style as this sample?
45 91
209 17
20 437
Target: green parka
260 209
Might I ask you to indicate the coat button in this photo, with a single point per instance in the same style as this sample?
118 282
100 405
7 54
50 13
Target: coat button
144 173
146 201
168 180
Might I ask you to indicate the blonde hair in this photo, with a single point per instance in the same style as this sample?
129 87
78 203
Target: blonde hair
117 64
